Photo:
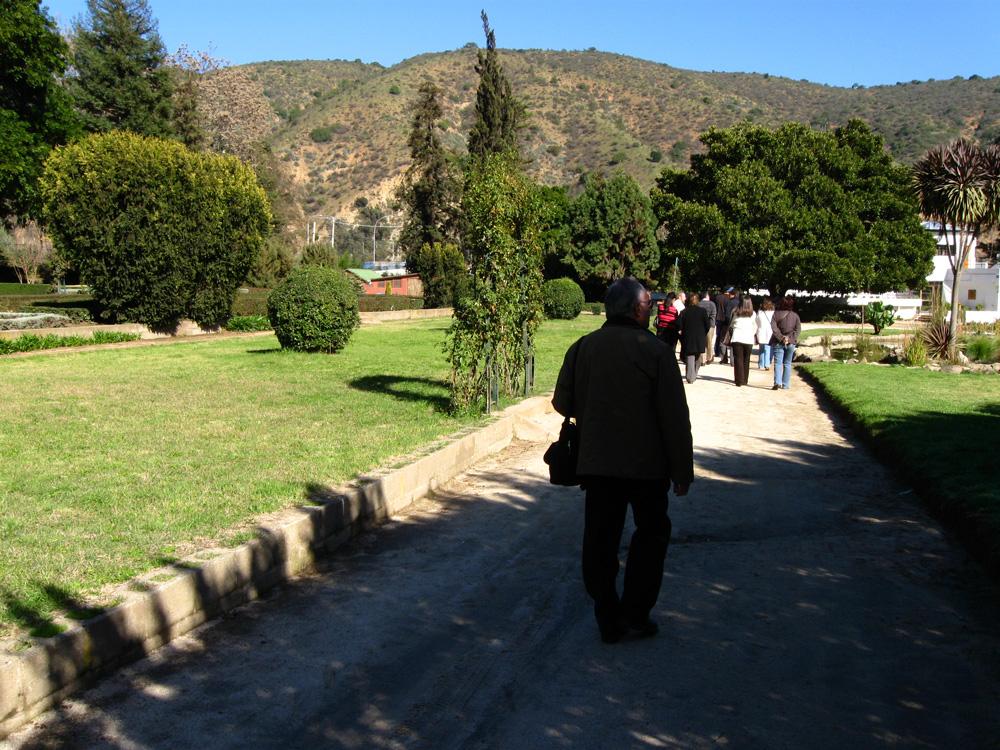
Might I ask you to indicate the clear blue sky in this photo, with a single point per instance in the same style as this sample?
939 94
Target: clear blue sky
838 42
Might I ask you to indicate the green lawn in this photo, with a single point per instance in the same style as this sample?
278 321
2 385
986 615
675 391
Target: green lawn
939 430
117 461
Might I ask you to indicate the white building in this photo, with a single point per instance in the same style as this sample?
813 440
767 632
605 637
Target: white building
978 284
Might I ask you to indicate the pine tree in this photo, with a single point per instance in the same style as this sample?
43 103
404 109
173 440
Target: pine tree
429 191
498 113
121 81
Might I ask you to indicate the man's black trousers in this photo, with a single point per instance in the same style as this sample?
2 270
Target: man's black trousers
607 502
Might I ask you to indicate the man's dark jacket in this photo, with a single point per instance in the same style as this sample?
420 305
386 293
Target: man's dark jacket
624 388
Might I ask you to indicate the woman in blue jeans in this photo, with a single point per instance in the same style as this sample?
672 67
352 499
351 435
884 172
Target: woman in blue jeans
785 329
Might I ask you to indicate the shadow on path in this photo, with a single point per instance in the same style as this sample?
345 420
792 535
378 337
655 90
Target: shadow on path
805 604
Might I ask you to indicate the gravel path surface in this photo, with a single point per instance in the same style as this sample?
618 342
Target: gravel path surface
808 602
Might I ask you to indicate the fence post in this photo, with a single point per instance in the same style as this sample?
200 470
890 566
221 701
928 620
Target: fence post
492 381
529 360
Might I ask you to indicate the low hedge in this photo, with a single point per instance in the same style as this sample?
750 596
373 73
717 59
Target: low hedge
254 302
29 342
383 302
19 290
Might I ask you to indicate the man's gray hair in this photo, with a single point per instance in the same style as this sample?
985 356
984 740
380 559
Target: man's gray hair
622 297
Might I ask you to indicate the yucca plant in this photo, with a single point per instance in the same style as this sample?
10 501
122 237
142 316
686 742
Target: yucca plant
936 336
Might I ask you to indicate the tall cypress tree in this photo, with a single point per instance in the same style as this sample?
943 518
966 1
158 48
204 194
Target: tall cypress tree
429 191
498 113
121 81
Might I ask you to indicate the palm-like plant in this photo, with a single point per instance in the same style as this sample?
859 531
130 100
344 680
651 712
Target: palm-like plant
958 187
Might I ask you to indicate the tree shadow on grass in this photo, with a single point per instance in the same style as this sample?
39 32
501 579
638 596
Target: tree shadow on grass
428 390
36 614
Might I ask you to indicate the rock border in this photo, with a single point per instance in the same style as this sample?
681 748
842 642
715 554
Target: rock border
200 589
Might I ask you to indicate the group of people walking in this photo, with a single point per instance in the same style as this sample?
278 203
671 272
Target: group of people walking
695 319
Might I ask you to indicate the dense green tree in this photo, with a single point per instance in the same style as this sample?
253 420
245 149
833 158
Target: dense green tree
121 80
794 208
443 273
429 192
35 111
503 303
554 232
612 229
159 232
958 187
498 113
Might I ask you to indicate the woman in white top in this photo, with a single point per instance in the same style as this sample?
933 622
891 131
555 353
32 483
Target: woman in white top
764 316
743 333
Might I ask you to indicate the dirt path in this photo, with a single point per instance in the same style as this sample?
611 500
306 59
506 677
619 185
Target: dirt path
807 603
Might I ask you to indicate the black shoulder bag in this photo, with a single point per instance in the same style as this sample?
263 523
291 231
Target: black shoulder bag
561 456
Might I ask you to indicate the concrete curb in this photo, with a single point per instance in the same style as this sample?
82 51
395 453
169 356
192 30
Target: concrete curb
213 582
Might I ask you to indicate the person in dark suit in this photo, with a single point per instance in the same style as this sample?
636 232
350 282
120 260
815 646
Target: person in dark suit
693 325
623 387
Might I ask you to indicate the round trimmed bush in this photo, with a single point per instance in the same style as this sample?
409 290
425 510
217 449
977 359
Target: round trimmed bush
314 310
562 299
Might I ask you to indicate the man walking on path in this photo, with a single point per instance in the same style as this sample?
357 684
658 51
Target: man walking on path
708 305
624 388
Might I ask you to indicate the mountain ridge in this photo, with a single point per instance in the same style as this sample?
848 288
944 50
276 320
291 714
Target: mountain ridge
344 124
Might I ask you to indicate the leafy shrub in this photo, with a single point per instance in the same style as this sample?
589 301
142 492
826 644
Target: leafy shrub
29 342
596 308
394 90
322 135
914 352
981 349
314 310
157 231
868 350
562 299
248 323
655 155
880 316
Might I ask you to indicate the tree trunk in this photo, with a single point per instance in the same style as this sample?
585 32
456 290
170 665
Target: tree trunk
953 319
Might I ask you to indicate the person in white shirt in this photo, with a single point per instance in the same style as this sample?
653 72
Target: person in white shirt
764 315
680 302
743 333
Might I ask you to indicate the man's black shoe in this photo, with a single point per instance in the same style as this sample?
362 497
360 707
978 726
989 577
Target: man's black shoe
612 632
775 387
644 628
